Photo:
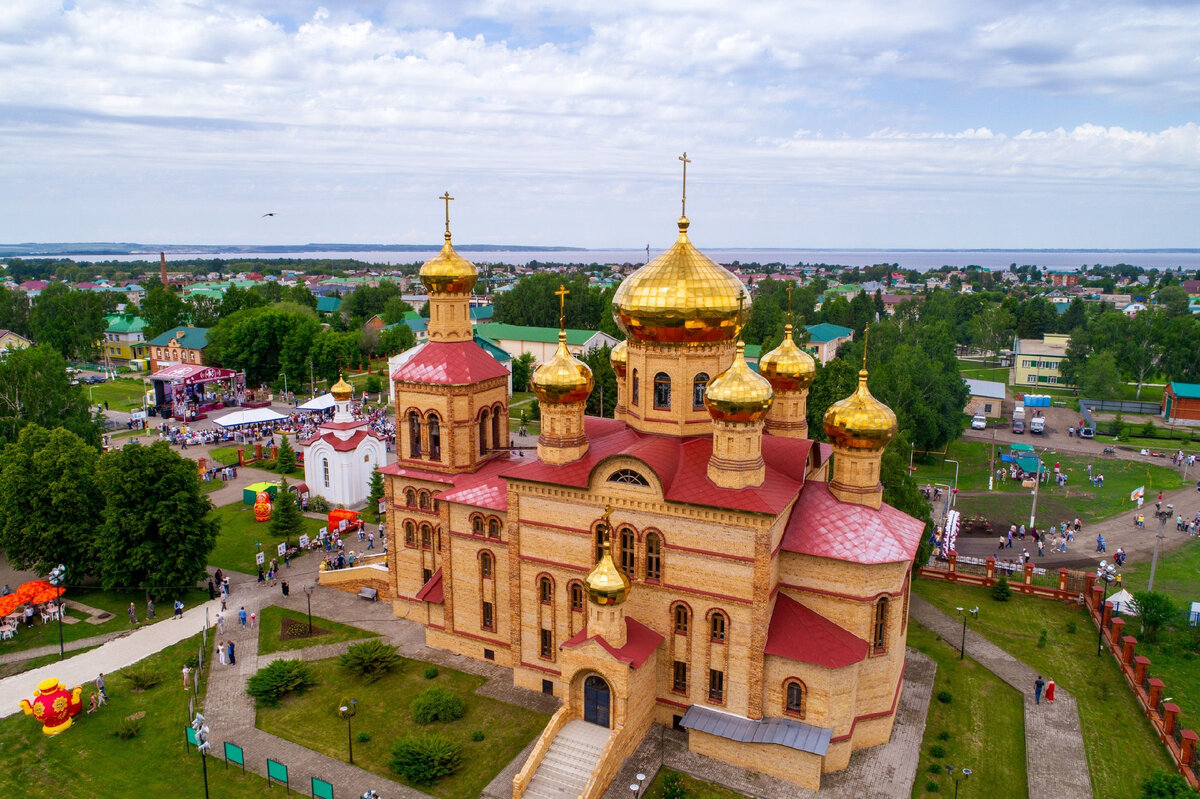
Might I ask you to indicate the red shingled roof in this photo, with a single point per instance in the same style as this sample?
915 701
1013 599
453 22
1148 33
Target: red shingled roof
824 526
800 634
682 466
450 363
640 643
482 488
339 444
432 591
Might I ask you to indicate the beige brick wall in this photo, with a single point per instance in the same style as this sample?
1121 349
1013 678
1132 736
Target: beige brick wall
801 768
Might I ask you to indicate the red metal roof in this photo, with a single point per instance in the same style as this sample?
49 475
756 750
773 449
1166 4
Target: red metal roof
800 634
640 643
345 425
432 591
823 525
482 488
450 363
339 444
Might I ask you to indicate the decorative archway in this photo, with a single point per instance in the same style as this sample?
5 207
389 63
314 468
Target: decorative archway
597 701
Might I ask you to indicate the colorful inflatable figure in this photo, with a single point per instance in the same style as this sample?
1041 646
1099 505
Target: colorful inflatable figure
262 507
54 705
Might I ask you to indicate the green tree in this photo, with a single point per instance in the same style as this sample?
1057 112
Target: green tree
396 339
533 302
394 310
48 500
14 312
605 382
333 353
901 491
285 461
155 531
163 310
1173 300
287 522
376 494
238 299
1155 610
35 389
1143 348
1181 343
992 329
1075 316
264 341
522 370
834 381
1100 376
202 311
71 322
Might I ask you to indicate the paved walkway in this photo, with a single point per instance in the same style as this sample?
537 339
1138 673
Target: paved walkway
1055 760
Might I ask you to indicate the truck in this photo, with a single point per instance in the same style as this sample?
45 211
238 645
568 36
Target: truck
1037 425
1018 422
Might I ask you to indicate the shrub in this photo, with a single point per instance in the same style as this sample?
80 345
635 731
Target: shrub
943 736
1072 627
128 728
142 677
1041 642
1165 785
431 673
437 704
425 759
477 736
317 504
1148 429
937 750
932 787
945 697
363 737
1000 591
370 659
279 679
673 787
1154 610
373 385
934 769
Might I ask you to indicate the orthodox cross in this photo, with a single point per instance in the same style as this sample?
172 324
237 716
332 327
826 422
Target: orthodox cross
741 323
607 525
789 293
686 161
446 198
562 306
866 332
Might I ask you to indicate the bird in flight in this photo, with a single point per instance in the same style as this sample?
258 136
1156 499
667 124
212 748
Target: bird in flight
272 213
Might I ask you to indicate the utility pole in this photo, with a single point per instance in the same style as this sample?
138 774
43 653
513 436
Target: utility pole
1037 481
1163 514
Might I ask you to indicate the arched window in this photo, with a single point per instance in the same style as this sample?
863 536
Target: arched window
493 528
662 391
717 625
699 383
496 429
682 619
485 565
576 596
545 590
797 698
423 500
477 524
414 434
483 431
325 468
426 536
653 556
628 477
410 498
635 387
879 629
410 534
435 438
628 545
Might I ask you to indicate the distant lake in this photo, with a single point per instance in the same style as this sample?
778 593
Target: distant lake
922 260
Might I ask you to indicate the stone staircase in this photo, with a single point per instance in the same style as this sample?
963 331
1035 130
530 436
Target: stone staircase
569 762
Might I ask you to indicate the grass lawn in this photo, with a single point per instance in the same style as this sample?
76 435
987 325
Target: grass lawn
984 723
1164 445
122 394
976 370
225 455
235 547
1122 747
312 721
89 761
269 631
696 789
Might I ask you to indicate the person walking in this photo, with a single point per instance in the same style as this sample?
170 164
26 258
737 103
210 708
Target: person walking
186 673
1037 690
220 624
132 615
242 616
252 618
1050 690
232 658
221 653
100 688
149 609
178 609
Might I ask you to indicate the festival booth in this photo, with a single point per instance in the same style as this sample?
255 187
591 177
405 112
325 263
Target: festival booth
248 417
321 403
186 392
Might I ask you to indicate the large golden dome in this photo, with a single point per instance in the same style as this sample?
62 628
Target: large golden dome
605 583
787 367
738 394
564 378
448 272
341 390
860 421
681 297
619 358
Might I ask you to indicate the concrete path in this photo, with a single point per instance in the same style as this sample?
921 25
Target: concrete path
1055 760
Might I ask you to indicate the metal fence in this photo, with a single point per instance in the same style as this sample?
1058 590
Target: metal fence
1124 406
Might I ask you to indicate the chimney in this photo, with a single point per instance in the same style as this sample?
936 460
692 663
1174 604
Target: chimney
162 266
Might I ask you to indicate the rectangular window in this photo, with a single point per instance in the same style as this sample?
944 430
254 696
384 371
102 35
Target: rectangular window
679 680
489 654
716 685
489 619
987 408
548 687
547 647
426 575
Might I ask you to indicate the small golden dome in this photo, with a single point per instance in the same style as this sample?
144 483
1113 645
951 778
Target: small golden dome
619 358
860 421
605 583
564 378
681 297
341 390
738 394
787 367
448 272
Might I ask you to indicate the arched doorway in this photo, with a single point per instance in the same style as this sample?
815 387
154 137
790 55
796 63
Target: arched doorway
596 701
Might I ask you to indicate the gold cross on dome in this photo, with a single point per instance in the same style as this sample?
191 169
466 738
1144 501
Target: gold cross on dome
789 293
446 198
866 333
683 206
562 306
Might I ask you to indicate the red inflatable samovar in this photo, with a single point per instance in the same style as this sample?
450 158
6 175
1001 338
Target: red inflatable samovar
54 705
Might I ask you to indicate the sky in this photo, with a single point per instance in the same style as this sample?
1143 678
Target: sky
839 123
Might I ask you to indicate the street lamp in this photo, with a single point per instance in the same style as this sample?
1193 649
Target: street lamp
1037 481
955 489
1106 572
58 576
1163 514
308 591
958 777
974 613
636 787
347 711
202 746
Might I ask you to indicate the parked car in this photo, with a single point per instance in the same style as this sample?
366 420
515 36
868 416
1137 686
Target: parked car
979 422
1087 432
1018 426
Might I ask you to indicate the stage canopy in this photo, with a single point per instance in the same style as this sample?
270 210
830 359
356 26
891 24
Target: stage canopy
250 416
192 375
321 403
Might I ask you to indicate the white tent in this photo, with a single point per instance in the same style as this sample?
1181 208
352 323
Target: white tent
1123 603
248 416
321 403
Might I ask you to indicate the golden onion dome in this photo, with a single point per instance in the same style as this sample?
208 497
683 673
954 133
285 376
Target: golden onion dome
605 583
860 421
448 272
341 390
619 358
738 394
564 378
787 367
681 297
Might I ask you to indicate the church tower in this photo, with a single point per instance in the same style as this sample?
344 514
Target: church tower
619 359
449 278
738 400
790 371
859 427
607 588
562 385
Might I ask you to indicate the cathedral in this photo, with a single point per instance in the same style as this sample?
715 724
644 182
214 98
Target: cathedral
696 561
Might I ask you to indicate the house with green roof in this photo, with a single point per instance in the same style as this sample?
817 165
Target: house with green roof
124 339
1181 403
329 304
517 340
824 340
178 345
